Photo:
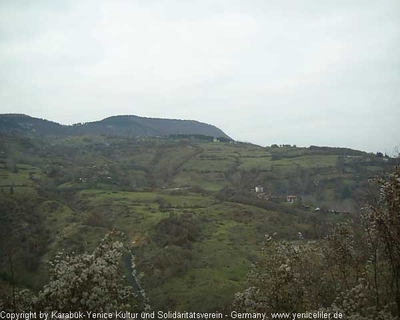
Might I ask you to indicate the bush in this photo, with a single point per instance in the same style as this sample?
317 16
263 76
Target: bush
354 270
177 230
85 282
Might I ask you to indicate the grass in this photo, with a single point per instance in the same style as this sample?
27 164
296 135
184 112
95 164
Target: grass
230 241
20 177
231 235
211 181
256 163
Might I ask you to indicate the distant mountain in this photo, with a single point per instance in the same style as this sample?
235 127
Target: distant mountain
15 123
123 125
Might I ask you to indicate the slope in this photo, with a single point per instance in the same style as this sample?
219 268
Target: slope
127 126
184 203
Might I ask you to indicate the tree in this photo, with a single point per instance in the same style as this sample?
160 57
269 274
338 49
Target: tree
354 270
286 280
383 221
85 282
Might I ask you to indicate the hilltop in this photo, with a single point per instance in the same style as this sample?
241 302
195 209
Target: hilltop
122 125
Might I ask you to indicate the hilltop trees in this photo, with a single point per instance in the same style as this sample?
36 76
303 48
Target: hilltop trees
354 270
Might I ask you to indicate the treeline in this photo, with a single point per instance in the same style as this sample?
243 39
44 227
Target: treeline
199 137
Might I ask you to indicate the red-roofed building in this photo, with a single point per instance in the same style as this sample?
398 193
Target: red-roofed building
291 198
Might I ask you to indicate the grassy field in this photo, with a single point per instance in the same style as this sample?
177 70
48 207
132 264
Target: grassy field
185 205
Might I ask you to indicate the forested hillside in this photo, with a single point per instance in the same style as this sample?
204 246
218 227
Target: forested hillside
123 125
194 210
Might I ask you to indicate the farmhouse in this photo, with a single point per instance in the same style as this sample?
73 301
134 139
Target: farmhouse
291 198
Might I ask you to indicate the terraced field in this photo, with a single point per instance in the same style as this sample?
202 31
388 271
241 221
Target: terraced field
185 205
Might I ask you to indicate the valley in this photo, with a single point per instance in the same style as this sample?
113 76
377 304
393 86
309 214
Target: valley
194 210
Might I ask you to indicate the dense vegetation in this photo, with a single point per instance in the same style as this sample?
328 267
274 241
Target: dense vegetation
85 282
354 269
127 126
186 205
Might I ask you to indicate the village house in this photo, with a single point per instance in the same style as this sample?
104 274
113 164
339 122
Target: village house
259 189
291 198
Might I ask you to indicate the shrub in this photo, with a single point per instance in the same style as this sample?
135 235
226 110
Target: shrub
354 270
85 282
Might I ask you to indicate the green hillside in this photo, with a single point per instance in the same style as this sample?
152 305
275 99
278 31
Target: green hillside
123 125
187 205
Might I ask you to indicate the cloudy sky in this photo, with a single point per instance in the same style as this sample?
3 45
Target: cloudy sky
304 72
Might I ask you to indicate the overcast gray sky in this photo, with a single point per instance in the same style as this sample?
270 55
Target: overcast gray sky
307 72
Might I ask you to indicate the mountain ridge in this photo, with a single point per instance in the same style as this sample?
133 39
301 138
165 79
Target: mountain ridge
119 125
